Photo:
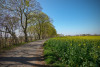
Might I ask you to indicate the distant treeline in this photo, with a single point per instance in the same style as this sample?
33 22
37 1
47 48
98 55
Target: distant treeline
79 35
88 35
23 21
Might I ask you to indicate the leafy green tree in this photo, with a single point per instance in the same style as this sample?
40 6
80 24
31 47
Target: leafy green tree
21 10
42 25
27 6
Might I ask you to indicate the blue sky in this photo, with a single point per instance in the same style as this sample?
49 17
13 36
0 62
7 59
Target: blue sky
71 17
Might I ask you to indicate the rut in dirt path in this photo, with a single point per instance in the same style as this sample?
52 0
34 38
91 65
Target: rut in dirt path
28 55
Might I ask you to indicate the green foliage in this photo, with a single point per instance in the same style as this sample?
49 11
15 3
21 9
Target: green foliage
75 51
27 3
41 26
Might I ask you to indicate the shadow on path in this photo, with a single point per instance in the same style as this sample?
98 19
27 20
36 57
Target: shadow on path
23 60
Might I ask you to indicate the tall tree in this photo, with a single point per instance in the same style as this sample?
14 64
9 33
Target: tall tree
42 25
26 7
20 8
9 19
9 25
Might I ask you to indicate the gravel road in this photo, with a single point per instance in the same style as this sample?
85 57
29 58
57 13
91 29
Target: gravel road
27 55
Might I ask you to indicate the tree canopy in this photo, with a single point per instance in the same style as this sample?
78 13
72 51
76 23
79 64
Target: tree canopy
25 17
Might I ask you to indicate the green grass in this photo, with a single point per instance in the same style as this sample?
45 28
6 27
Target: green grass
73 51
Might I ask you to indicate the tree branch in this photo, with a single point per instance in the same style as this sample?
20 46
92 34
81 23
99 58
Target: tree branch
4 31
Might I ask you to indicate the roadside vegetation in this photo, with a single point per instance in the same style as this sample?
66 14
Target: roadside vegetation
11 47
73 51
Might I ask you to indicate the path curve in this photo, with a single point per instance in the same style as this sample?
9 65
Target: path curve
28 55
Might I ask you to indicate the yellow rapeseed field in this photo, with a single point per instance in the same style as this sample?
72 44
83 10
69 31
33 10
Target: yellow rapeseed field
73 51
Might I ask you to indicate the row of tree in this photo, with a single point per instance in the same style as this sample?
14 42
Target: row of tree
24 18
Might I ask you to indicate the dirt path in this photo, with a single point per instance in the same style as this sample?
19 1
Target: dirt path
28 55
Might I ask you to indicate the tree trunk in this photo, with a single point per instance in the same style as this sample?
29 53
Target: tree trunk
40 30
26 40
25 30
15 40
39 37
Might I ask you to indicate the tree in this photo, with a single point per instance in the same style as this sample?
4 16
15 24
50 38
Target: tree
42 26
26 16
9 19
20 8
26 7
9 25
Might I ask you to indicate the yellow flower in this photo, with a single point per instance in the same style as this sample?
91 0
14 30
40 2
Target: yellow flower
95 56
98 46
84 44
79 45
